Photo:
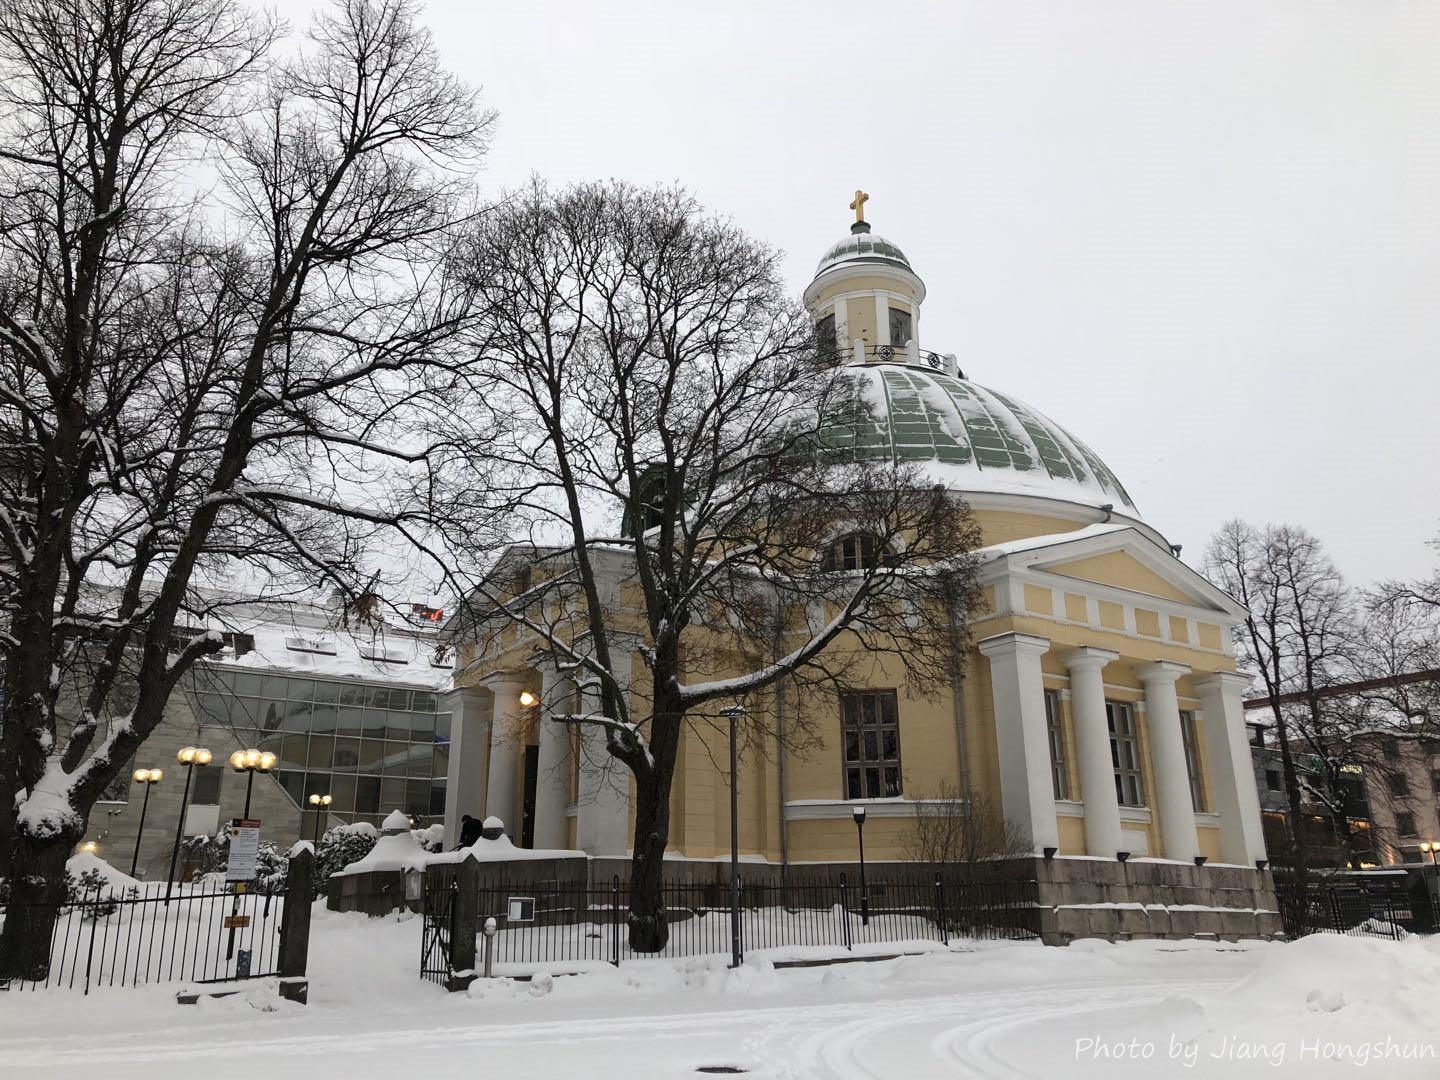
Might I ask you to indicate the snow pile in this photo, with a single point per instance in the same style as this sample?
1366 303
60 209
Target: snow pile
502 850
87 862
393 851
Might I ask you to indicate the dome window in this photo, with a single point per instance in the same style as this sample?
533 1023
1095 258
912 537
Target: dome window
827 345
857 551
902 326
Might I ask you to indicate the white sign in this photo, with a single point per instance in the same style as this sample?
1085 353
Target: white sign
522 909
244 850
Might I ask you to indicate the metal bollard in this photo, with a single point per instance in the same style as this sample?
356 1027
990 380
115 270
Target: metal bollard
490 931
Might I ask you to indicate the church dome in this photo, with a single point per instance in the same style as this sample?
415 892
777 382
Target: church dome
973 439
860 247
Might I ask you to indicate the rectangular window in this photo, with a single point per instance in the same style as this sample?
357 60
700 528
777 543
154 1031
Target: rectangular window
1392 749
1405 824
870 729
826 343
1399 786
1272 779
902 327
1192 759
1435 781
1125 753
1059 778
207 785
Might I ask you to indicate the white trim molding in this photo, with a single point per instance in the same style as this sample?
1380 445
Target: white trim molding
843 809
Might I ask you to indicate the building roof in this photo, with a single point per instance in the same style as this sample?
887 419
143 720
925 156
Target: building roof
975 439
863 246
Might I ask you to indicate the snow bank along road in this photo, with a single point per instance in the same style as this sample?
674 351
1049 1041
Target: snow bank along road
1317 1008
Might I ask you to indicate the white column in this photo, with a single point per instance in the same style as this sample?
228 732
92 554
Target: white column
552 774
1172 796
469 708
507 729
1092 749
1232 775
1027 793
603 812
882 321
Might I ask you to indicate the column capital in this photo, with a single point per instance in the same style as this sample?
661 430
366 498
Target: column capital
1160 672
1005 644
1224 682
1088 658
505 677
463 696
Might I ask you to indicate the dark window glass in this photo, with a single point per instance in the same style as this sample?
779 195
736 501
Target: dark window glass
1399 786
350 720
826 343
1192 759
1272 779
902 327
206 790
1125 753
1405 823
1060 779
870 728
367 794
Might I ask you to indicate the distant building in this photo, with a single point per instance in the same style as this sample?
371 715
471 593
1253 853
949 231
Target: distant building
359 714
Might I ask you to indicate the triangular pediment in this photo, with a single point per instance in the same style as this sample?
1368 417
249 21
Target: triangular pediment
1115 557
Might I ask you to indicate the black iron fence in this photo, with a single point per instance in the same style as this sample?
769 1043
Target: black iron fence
1354 907
108 938
556 925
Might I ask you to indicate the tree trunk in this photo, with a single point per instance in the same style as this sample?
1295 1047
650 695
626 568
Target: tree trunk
649 930
37 889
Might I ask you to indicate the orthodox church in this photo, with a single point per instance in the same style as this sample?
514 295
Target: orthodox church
1100 710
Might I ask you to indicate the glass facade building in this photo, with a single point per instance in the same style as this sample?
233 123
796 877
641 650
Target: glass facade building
373 748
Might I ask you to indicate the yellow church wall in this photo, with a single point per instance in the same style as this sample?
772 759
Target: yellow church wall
1208 838
1077 609
1208 635
1112 616
1179 629
1002 526
1041 601
834 839
1121 570
1147 623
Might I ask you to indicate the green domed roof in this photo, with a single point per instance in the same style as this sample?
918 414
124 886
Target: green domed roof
974 439
863 246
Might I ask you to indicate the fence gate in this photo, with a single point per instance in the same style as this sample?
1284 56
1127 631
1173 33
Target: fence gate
438 933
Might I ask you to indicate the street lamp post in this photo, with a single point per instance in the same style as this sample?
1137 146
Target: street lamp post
319 802
734 712
250 762
148 777
858 813
189 756
1432 848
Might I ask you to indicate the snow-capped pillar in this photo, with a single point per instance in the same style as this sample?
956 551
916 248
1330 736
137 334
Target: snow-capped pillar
469 708
507 729
552 774
1092 749
1232 774
1167 750
1027 794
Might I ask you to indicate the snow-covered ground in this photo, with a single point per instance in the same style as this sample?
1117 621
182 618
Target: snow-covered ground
1009 1010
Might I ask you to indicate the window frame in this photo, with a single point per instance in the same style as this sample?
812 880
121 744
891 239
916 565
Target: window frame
900 320
1190 739
1055 733
1406 815
852 703
1131 777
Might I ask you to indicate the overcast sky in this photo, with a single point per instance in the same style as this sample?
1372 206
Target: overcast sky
1205 237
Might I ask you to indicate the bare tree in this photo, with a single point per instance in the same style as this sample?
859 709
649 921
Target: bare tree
688 471
193 389
954 832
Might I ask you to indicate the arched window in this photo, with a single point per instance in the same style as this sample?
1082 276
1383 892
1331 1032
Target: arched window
857 551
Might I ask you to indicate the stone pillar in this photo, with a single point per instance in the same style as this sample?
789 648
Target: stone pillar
603 811
1027 793
295 924
1232 774
1092 749
507 729
469 753
552 775
1172 796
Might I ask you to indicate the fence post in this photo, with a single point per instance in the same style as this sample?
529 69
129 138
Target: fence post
845 910
90 952
295 926
465 923
615 918
940 909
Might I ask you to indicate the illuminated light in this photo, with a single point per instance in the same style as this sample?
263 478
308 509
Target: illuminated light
90 846
528 699
154 776
265 761
141 775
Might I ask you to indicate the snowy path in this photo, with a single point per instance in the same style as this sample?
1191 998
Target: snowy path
996 1012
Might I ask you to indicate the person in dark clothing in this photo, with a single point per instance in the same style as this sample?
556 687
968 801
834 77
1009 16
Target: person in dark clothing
469 830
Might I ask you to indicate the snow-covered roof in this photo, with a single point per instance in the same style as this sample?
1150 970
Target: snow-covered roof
862 246
974 439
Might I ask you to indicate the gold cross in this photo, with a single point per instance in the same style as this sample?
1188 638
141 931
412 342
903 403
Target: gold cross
859 204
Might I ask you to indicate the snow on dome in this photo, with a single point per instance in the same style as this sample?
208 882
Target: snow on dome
974 439
492 822
395 821
862 246
83 862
